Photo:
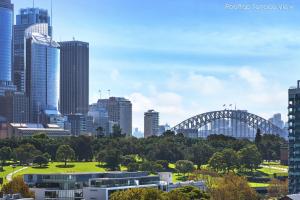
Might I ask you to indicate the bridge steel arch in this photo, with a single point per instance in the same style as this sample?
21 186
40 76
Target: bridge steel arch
252 120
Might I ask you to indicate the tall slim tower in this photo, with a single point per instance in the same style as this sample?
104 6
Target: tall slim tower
25 19
151 123
42 71
294 139
74 76
6 24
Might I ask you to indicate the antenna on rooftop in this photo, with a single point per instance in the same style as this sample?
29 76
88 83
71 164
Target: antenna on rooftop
32 3
51 15
108 93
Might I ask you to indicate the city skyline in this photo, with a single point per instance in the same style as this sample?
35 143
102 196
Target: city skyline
187 60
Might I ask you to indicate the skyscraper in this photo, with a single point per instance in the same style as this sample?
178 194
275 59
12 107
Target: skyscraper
151 123
74 76
14 107
42 71
119 112
25 19
294 139
6 24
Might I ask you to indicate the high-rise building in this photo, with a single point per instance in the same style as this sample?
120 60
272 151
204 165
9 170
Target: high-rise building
6 39
42 71
151 123
294 139
119 112
277 121
80 124
74 73
25 19
14 107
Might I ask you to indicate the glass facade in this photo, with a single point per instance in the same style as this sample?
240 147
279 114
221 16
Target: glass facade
26 18
42 74
6 23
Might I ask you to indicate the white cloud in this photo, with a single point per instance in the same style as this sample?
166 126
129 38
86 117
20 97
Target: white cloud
195 82
114 75
253 77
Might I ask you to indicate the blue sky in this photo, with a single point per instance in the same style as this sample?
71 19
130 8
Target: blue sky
185 57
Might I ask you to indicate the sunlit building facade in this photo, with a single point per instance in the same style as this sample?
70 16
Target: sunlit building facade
42 72
6 37
24 19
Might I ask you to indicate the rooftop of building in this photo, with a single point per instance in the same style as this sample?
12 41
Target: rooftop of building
26 11
6 4
92 173
44 40
35 126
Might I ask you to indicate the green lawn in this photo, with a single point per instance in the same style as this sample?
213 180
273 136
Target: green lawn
275 164
271 171
255 185
73 167
7 170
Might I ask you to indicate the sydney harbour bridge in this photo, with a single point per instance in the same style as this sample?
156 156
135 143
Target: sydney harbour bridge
235 123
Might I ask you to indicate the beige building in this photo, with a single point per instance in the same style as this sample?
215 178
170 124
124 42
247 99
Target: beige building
151 123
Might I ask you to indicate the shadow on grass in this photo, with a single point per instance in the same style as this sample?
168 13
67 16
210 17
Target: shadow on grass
40 167
101 165
65 166
254 174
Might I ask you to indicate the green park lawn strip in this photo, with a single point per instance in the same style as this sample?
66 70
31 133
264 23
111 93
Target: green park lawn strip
58 167
256 185
8 170
270 171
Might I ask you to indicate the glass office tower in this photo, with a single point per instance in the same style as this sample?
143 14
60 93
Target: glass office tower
42 72
6 23
25 19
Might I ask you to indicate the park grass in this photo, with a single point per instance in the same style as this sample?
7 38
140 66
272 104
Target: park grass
275 164
7 170
58 167
271 171
257 185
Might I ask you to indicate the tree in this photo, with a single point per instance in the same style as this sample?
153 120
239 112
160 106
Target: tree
277 188
100 131
258 138
5 154
232 187
192 193
164 164
138 194
17 185
40 160
65 153
25 153
47 156
217 162
100 157
133 167
200 154
151 167
128 159
176 195
250 157
112 158
117 131
80 143
230 158
184 166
